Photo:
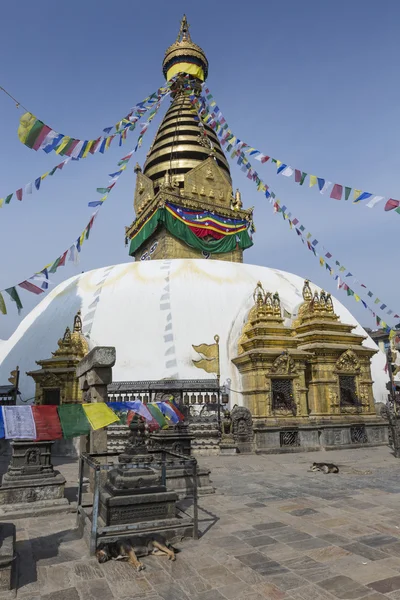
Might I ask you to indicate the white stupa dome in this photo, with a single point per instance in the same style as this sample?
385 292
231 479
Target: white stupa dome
153 312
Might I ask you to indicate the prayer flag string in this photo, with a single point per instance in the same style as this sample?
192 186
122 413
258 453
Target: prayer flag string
220 126
50 422
39 282
336 191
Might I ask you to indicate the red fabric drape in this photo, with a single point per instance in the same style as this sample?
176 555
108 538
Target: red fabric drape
202 233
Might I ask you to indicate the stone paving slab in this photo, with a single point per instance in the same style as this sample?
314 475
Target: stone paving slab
273 531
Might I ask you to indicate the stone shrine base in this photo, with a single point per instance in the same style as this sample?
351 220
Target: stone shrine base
31 486
273 436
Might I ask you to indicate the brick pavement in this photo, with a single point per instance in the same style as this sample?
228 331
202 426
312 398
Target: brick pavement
273 531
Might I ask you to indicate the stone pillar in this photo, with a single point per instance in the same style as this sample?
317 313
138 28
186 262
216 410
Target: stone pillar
95 374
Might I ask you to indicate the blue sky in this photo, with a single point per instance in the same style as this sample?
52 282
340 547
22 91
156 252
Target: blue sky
314 84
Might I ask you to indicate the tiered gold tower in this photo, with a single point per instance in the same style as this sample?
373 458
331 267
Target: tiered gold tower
186 168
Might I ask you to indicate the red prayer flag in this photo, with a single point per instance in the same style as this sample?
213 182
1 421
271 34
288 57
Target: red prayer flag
18 193
390 204
264 159
30 287
40 138
48 426
337 192
62 259
72 147
297 176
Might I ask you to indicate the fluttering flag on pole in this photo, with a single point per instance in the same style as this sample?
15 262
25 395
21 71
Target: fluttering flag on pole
210 363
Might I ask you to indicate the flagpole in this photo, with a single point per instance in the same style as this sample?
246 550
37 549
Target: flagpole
216 339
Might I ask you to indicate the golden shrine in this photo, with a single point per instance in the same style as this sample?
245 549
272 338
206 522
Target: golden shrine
315 369
56 382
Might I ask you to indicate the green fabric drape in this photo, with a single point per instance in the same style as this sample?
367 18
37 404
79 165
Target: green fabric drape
183 232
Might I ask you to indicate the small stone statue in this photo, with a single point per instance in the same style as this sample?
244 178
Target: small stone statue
227 426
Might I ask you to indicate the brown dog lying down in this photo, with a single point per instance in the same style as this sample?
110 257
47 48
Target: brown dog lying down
131 548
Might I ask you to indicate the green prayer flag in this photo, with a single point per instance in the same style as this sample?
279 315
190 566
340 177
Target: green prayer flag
350 292
103 190
397 210
15 298
53 170
3 308
74 421
157 414
8 199
347 191
33 133
303 176
54 266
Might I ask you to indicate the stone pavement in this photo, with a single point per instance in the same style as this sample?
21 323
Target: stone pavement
272 531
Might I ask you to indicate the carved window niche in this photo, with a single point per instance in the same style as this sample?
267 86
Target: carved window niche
282 396
348 393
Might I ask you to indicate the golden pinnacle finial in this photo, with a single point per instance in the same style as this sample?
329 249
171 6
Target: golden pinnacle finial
184 30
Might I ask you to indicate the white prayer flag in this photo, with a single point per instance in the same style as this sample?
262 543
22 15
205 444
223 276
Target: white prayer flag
28 188
19 423
326 185
48 139
77 149
374 200
288 172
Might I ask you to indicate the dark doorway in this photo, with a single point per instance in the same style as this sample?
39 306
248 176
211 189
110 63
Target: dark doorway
51 397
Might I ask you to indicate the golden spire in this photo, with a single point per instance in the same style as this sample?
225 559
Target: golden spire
183 56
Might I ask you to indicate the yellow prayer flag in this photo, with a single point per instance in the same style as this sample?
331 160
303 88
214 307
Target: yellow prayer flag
278 163
89 145
66 139
211 366
313 180
392 334
26 123
1 202
321 261
99 415
357 298
82 238
44 176
309 235
123 168
108 142
356 194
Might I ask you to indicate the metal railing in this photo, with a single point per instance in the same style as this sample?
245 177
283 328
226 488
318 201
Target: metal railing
91 460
